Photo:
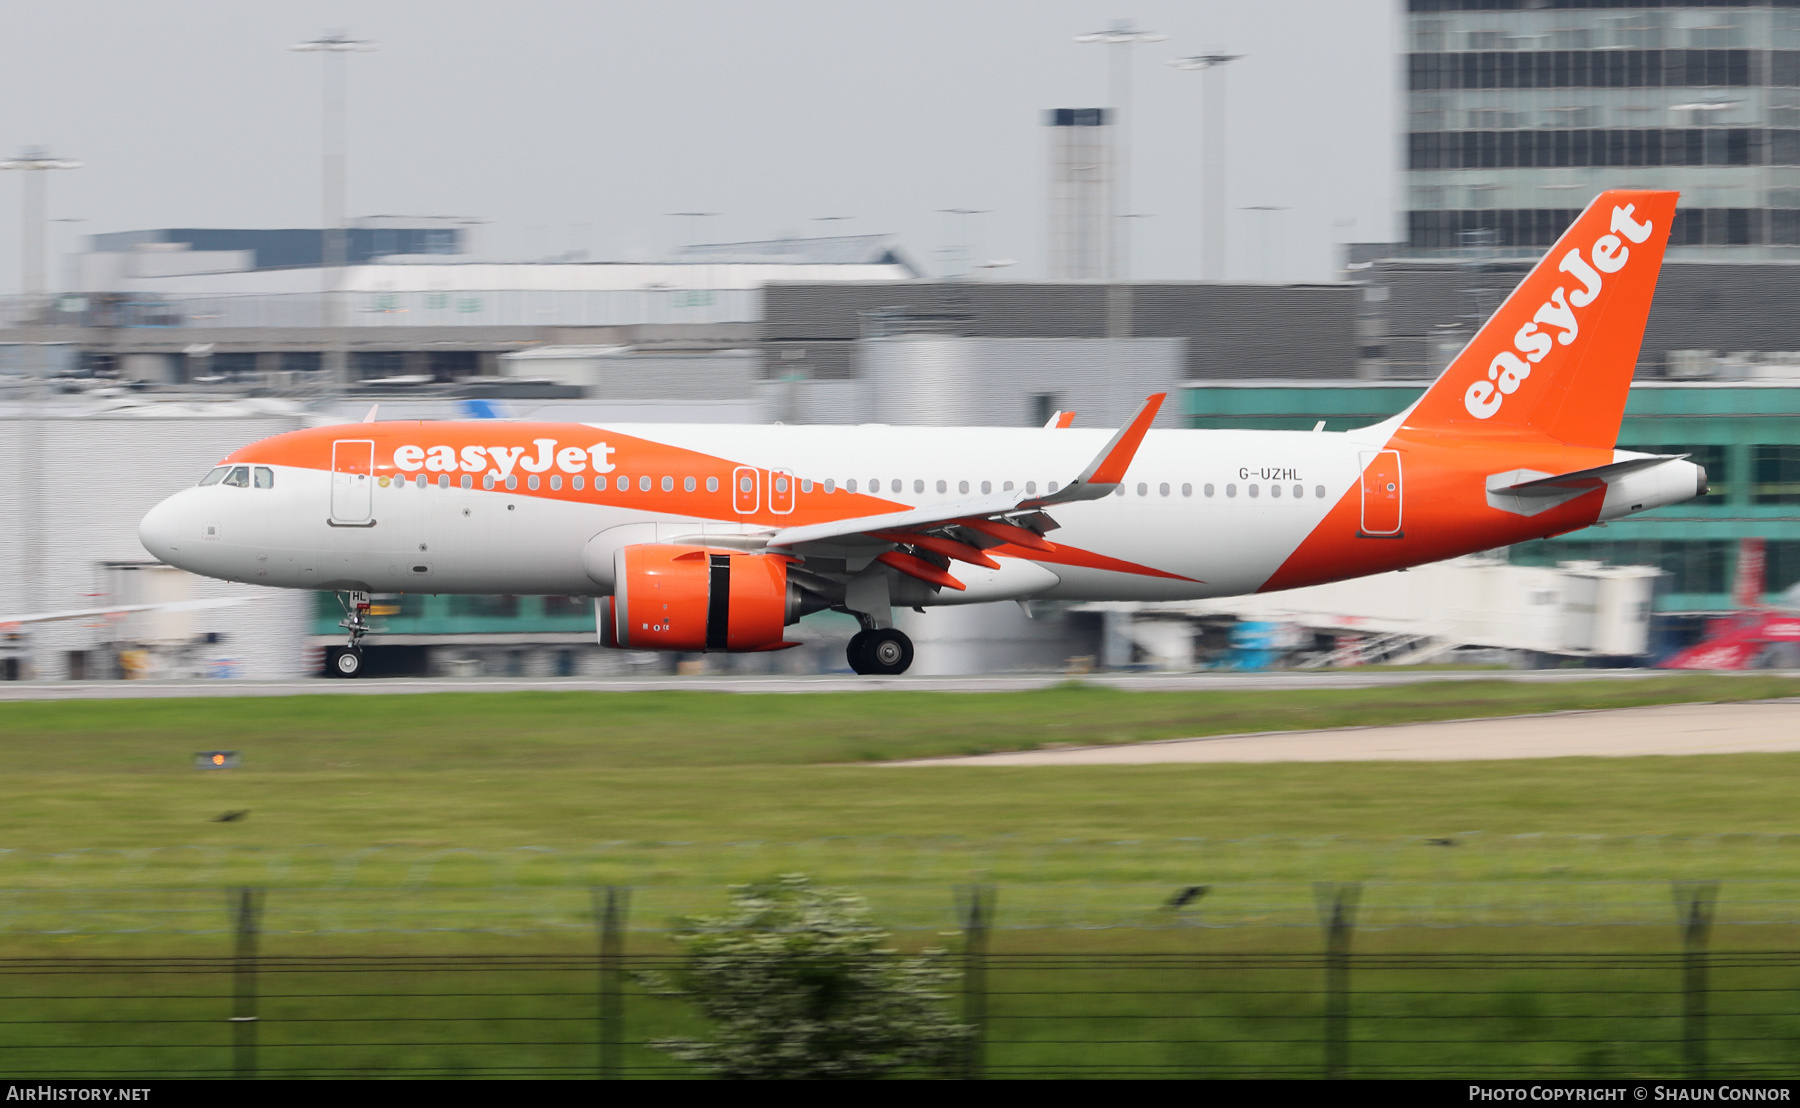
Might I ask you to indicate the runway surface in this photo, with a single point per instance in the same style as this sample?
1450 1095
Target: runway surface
1145 682
1758 726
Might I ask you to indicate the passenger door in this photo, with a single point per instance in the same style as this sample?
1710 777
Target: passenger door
352 482
1381 493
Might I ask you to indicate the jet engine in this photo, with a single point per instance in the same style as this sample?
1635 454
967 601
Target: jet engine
668 597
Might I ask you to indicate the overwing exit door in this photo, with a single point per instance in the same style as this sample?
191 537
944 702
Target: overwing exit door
745 489
352 482
1381 493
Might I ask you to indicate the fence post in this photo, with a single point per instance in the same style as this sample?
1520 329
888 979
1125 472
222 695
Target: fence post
1336 903
246 914
609 914
976 906
1694 902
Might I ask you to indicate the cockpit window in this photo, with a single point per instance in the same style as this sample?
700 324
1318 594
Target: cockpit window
265 477
215 476
239 477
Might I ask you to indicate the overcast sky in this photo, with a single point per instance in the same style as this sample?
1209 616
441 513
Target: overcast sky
579 125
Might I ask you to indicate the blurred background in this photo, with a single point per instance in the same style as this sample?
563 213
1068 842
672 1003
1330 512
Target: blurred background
236 221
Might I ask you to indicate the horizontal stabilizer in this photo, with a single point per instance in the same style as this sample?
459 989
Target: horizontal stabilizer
1578 480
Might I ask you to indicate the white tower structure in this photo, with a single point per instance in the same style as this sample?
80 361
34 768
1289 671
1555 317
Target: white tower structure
1081 179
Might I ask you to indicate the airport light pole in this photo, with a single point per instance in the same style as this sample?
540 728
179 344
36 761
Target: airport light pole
1268 211
1121 36
34 161
969 246
334 256
1212 167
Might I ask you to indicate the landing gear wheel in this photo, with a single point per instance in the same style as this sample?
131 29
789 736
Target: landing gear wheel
856 653
886 652
349 662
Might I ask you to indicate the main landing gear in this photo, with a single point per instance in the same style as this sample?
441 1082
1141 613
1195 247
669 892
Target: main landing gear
348 661
884 652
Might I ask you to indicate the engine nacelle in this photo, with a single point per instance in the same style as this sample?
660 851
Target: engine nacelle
668 597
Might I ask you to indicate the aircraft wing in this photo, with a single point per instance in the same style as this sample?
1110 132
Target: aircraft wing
121 609
961 529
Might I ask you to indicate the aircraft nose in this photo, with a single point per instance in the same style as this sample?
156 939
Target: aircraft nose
160 531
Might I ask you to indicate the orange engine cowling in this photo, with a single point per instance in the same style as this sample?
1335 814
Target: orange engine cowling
669 597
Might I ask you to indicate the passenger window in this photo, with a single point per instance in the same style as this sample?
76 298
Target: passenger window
918 486
239 477
577 482
830 485
555 482
643 484
265 477
688 484
1162 489
1208 490
1254 490
1274 490
987 487
962 486
781 484
896 485
1143 489
1187 490
1031 488
712 484
668 484
215 476
806 484
1006 487
623 484
850 485
443 480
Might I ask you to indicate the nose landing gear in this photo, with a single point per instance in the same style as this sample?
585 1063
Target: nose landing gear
349 661
884 652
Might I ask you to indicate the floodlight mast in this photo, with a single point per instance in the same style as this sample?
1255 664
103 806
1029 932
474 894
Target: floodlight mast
334 256
1212 173
1121 36
969 247
34 161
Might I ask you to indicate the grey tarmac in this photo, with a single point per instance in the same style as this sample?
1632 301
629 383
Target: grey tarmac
1025 682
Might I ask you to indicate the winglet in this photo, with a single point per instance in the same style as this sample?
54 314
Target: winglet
1061 420
370 418
1109 467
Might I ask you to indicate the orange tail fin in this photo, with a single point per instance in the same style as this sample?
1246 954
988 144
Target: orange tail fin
1557 358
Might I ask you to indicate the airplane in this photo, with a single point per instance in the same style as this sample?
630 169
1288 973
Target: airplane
718 538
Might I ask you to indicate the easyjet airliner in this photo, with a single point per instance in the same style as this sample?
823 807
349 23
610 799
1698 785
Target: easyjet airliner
710 538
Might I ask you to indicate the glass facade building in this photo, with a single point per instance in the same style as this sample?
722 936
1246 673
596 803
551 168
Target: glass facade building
1520 111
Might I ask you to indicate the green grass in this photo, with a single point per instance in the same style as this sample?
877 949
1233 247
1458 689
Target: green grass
700 789
472 823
